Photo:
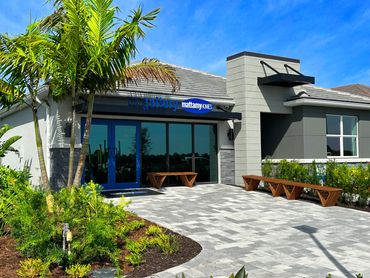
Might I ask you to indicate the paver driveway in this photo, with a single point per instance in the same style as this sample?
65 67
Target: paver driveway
271 237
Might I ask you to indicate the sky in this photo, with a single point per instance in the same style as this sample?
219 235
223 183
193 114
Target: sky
330 37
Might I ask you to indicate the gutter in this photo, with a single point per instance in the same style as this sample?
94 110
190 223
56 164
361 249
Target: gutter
327 103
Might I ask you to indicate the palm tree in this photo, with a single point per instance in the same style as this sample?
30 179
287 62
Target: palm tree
95 56
24 65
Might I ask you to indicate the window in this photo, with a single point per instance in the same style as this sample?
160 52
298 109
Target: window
341 136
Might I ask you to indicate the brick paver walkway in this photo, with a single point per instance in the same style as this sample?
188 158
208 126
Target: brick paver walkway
271 237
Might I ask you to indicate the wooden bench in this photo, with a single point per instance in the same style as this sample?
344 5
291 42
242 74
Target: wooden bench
328 195
157 178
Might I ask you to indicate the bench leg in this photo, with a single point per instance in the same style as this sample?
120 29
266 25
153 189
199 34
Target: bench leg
292 193
188 180
156 181
330 200
276 189
250 184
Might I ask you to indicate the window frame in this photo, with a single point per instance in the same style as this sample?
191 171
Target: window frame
341 136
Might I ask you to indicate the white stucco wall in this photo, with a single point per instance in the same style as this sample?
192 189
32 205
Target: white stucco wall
251 100
60 114
22 124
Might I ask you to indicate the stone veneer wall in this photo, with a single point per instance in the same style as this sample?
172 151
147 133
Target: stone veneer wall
59 166
227 162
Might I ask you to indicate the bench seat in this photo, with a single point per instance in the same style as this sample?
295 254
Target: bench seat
328 195
157 178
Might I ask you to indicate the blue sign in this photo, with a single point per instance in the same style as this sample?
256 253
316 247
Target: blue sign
192 105
197 106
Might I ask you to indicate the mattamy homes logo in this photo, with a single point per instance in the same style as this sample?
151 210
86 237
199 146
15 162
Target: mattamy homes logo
192 105
197 106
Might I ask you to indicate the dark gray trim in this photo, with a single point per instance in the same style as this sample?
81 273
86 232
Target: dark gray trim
286 80
260 55
105 109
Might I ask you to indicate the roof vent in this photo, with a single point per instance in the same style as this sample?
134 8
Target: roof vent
285 79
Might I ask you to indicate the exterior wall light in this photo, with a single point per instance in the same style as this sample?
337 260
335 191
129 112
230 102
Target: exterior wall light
68 129
230 134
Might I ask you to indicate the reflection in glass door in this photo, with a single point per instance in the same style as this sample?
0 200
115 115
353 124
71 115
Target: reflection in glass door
96 164
113 158
126 153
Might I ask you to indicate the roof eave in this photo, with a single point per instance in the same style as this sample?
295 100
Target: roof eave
327 103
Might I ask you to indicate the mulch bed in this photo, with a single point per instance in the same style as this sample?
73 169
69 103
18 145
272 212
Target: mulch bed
154 261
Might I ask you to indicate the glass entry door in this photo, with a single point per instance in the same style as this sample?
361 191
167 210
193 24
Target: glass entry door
113 158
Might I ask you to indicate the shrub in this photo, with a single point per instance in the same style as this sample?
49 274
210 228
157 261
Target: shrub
156 237
37 224
153 230
268 168
78 270
168 244
292 171
12 182
32 268
134 259
354 180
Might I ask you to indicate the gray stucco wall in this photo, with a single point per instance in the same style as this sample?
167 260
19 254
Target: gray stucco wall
282 135
59 166
302 135
314 128
227 162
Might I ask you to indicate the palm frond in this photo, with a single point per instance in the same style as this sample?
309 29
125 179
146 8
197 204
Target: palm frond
150 70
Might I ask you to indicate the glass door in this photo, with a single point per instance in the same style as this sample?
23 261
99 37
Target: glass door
126 168
113 158
97 159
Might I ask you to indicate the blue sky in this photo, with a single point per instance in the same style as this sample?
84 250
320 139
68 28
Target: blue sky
332 38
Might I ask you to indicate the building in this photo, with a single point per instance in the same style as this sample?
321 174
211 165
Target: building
220 127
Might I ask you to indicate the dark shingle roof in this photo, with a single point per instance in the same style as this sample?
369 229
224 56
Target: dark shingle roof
309 91
358 89
192 83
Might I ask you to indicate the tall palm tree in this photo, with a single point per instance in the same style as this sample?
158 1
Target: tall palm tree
95 53
24 65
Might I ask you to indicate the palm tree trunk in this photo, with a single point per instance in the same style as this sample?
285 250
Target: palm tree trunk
72 141
85 143
40 151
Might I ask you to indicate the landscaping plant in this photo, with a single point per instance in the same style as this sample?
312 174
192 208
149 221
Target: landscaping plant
6 146
98 229
33 268
78 270
354 180
11 182
93 56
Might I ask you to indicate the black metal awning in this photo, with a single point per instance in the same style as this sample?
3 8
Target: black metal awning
109 109
285 79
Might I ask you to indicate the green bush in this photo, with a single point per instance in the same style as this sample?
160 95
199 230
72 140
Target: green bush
78 270
354 180
37 221
33 268
11 182
292 171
